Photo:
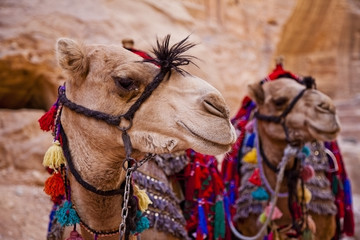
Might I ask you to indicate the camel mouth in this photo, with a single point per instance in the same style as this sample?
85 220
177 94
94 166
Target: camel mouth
204 139
327 134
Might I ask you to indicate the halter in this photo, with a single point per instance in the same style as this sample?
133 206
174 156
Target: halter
168 59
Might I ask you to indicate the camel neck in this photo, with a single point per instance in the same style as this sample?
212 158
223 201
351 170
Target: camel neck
101 166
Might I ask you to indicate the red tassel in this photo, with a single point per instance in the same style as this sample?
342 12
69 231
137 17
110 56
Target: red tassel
255 177
46 122
54 186
349 224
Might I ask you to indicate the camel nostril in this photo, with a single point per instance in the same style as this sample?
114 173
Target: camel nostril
216 109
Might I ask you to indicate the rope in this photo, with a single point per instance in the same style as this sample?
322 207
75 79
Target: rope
289 152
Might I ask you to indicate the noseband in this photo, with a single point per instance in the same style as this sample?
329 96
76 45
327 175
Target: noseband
309 82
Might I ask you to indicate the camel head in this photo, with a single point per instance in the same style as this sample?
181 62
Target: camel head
183 112
312 117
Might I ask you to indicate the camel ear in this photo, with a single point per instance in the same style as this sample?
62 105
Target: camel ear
256 92
71 57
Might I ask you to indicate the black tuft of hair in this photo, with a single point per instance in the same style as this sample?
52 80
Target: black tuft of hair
309 82
172 57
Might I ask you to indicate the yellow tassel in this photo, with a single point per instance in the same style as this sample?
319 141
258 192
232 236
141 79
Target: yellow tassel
54 156
307 194
250 157
262 218
143 198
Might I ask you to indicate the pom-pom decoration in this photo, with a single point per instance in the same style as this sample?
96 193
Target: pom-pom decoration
276 214
250 157
255 177
141 224
260 194
66 215
47 121
74 235
262 218
306 151
54 156
307 172
54 185
307 194
143 198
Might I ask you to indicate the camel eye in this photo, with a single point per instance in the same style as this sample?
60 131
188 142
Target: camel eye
124 83
281 101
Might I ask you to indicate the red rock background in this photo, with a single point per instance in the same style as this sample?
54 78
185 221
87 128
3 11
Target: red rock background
238 41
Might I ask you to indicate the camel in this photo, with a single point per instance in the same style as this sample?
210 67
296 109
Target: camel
312 117
184 111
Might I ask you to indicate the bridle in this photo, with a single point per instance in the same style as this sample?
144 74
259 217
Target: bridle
168 59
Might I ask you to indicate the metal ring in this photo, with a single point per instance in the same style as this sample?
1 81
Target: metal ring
129 160
123 129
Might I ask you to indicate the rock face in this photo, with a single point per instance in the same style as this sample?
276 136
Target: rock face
322 39
237 42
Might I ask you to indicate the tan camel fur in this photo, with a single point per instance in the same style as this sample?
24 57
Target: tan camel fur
183 112
313 117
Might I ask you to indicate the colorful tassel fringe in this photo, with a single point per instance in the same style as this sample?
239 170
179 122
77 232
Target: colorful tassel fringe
255 177
260 194
141 224
54 156
250 157
143 198
54 185
219 224
66 215
202 227
47 121
74 235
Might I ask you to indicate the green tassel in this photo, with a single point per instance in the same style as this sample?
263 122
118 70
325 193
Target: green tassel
307 235
219 224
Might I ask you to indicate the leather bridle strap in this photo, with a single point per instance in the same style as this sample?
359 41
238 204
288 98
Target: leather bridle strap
76 174
281 118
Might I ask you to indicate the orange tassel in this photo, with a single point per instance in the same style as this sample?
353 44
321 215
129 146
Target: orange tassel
54 185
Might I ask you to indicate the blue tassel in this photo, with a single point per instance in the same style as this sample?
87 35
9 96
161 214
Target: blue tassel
232 192
202 220
66 215
347 192
141 224
306 151
260 194
250 140
227 207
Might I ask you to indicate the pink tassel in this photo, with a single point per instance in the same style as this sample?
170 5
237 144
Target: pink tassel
307 173
74 235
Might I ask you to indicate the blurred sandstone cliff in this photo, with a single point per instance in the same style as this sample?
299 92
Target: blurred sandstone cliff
238 41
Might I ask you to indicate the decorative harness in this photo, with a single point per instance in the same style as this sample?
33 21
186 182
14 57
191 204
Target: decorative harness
168 59
292 147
